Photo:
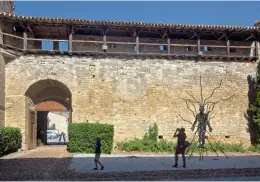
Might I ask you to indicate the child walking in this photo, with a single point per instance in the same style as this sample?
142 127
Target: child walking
97 154
180 148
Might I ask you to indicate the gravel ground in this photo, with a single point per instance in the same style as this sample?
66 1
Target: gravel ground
53 163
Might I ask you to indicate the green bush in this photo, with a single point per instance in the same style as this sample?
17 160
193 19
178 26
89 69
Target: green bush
254 148
148 143
78 132
10 139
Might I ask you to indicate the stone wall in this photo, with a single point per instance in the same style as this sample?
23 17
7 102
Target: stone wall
2 90
133 94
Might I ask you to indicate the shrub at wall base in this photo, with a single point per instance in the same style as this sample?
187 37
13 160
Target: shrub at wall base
82 137
10 139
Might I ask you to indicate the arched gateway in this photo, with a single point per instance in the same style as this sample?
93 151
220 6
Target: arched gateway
42 97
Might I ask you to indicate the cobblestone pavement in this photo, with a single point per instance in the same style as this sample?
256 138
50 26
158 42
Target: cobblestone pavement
53 163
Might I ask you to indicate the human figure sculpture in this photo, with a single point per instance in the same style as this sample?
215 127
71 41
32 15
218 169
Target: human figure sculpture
202 121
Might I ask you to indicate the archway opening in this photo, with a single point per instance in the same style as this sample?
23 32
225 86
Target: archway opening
51 103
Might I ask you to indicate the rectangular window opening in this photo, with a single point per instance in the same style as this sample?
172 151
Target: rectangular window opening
232 50
160 137
112 46
163 48
134 48
189 49
47 45
64 46
207 49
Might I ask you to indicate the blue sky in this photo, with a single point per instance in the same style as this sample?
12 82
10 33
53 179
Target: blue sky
214 13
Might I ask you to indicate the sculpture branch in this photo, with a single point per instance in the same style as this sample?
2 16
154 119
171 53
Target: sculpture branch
189 107
214 103
196 101
201 95
213 92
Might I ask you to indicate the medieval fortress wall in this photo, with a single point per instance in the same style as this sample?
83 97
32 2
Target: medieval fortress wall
133 93
5 6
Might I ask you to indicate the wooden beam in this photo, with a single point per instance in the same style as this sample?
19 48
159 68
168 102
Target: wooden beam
194 35
104 39
24 40
198 46
70 42
168 45
71 38
223 35
228 48
250 37
137 44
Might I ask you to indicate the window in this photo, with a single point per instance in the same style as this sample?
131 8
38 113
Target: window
47 45
63 46
134 48
207 48
112 46
189 49
232 50
163 48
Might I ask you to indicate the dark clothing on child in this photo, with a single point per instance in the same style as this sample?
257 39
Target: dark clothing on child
98 147
180 149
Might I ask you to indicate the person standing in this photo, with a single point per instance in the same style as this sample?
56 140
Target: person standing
180 148
97 154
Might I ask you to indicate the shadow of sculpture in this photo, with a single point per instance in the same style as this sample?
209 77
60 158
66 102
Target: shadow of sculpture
251 127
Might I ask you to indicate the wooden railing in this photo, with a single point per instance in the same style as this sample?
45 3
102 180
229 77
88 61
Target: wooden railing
24 43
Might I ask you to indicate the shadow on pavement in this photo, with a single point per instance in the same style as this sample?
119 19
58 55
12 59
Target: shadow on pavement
59 169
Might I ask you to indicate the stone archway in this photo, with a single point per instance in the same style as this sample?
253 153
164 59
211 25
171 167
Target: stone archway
39 92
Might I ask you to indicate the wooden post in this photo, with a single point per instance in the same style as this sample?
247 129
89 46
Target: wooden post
24 40
70 39
256 49
228 48
70 42
56 45
168 46
137 44
198 46
104 39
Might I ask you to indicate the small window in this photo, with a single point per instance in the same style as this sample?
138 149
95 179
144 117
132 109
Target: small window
207 48
232 50
47 45
227 136
112 46
134 48
160 137
63 46
163 48
189 49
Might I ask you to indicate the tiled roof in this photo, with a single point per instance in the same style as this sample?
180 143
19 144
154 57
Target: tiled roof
122 23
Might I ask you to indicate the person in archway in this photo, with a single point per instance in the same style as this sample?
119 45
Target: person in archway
97 154
180 148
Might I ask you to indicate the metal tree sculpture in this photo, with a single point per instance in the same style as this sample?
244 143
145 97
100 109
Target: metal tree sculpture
205 114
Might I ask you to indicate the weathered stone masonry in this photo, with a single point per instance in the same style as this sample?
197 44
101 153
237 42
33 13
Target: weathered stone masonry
132 93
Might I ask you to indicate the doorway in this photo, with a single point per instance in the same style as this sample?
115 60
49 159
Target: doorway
51 114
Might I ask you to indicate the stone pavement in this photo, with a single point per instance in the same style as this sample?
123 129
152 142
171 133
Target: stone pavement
120 163
55 163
